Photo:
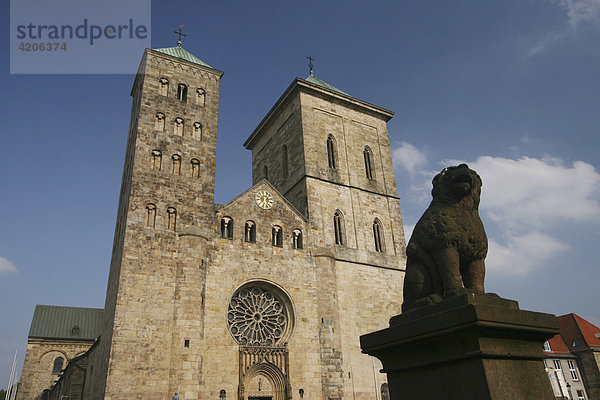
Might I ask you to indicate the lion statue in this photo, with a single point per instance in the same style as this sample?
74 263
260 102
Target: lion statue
448 246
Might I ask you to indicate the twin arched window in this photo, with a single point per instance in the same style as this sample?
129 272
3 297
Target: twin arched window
250 232
227 227
58 365
331 152
338 228
182 92
277 236
368 156
150 217
297 239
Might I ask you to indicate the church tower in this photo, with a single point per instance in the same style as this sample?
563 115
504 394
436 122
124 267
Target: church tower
329 154
165 215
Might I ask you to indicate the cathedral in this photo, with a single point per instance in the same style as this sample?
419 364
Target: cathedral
262 298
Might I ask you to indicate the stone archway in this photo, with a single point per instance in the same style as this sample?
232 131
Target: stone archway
263 381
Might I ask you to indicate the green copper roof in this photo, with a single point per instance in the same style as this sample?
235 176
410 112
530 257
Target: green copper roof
313 79
54 322
180 52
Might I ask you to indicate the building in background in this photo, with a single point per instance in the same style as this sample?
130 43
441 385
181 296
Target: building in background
573 363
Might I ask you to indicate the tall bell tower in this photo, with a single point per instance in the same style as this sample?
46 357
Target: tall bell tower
164 217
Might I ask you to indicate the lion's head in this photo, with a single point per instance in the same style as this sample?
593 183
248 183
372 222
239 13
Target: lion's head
455 183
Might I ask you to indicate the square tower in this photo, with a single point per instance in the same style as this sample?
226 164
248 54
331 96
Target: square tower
167 195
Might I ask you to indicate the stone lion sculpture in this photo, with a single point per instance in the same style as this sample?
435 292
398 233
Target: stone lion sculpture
448 246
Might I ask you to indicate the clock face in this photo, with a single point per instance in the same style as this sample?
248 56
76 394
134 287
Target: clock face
264 199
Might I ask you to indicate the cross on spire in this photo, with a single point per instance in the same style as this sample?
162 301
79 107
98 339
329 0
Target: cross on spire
310 64
180 35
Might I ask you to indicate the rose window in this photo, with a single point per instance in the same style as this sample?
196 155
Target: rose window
256 317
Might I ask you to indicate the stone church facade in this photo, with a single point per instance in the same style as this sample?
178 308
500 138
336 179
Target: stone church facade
265 297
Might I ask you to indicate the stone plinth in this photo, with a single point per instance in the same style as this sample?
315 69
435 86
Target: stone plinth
467 347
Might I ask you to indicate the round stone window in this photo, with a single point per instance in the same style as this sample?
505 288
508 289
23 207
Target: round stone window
259 316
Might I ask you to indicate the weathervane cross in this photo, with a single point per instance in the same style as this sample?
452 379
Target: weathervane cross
180 35
310 64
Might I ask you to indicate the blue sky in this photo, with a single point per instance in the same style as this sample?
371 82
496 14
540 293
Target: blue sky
510 87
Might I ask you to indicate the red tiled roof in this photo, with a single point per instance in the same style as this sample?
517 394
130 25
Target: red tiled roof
557 346
578 333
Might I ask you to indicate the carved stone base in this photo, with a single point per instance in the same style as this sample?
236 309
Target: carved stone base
466 347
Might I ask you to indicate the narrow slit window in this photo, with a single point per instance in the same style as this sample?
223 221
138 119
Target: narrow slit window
197 131
163 86
368 156
331 152
156 160
171 219
195 168
150 215
338 227
178 126
159 122
201 97
378 236
176 164
266 172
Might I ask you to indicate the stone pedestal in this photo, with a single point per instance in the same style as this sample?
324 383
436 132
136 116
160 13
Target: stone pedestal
467 347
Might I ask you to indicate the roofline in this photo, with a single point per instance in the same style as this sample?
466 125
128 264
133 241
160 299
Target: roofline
303 83
209 69
62 338
252 187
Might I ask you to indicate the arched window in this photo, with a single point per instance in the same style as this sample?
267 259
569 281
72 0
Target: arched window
159 122
385 392
150 215
250 232
227 227
182 92
195 164
284 161
156 160
277 236
297 239
58 365
368 156
163 86
176 164
178 126
266 172
331 152
378 236
197 130
338 227
201 98
171 219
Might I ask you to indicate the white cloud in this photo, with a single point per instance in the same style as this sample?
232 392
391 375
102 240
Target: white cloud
409 157
6 267
522 254
408 230
580 11
537 192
